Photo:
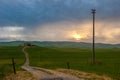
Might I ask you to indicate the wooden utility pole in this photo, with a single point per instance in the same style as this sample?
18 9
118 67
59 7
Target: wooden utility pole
93 46
13 63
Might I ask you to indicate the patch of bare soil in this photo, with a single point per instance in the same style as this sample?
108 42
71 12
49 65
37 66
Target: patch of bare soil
84 75
21 75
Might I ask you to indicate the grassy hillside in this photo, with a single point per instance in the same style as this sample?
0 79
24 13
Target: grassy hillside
6 54
80 59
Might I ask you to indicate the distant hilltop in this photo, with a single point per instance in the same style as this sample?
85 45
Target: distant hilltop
60 44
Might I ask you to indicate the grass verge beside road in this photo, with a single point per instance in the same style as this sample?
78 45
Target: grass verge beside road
107 60
6 55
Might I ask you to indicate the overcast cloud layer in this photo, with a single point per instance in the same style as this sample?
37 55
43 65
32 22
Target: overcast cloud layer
57 20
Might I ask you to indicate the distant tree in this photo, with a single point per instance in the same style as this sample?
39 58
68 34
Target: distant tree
27 44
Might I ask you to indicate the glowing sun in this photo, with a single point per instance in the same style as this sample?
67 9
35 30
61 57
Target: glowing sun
77 36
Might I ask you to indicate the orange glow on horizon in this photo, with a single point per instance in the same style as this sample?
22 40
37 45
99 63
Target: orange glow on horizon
75 35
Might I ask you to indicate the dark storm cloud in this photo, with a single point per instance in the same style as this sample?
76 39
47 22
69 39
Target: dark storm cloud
59 20
36 12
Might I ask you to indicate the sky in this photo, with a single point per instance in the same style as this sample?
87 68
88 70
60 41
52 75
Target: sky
59 20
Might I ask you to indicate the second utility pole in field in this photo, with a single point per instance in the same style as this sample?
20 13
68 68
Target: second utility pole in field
93 46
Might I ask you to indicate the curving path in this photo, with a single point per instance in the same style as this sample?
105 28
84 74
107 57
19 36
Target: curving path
45 74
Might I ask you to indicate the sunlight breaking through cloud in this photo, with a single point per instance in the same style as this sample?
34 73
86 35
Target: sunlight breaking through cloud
59 20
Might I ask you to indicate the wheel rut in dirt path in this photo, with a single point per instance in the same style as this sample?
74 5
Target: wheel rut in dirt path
45 74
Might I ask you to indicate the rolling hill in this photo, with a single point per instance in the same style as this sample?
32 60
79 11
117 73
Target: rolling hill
60 44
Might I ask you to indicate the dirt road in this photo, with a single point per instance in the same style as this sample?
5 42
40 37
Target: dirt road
45 74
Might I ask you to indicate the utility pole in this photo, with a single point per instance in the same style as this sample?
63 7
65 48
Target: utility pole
93 46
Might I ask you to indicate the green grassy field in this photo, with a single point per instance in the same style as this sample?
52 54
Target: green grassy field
108 60
6 55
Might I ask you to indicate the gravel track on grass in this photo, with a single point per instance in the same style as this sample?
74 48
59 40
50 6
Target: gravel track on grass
45 74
